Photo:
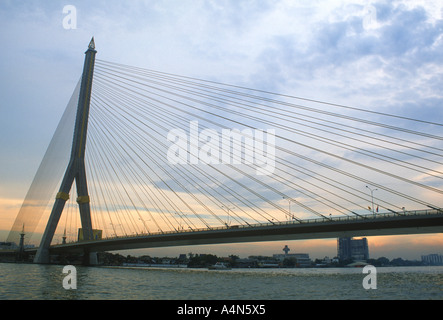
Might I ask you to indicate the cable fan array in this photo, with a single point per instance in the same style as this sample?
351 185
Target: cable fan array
328 160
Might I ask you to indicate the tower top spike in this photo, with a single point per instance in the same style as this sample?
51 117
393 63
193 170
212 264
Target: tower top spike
92 44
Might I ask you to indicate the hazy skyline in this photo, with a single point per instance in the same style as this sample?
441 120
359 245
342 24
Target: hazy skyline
380 55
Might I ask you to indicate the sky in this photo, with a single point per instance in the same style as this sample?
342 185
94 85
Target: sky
381 55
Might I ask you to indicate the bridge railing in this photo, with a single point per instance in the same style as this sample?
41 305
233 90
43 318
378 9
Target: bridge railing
294 222
330 219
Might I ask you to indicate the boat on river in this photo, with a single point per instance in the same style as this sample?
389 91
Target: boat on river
219 266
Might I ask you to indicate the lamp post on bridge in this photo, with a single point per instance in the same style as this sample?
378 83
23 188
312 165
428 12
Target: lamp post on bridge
291 216
229 215
372 196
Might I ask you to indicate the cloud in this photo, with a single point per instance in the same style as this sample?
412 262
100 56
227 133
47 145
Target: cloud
342 59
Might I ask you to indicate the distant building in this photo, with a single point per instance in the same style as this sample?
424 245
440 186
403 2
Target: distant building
8 246
352 249
301 259
246 263
433 259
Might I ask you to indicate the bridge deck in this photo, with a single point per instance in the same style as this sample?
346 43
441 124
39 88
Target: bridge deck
412 222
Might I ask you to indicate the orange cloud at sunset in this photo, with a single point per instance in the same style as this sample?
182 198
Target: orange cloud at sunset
406 246
8 212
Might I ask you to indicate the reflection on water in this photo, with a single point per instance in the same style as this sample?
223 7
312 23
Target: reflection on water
28 281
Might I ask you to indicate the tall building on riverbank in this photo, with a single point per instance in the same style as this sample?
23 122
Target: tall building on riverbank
352 249
433 259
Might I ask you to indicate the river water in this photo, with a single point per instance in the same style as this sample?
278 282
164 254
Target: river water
45 282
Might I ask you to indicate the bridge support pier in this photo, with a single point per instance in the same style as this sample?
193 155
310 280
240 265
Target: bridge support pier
76 167
90 258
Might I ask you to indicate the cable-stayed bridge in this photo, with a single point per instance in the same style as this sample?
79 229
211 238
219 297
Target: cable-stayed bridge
160 159
416 222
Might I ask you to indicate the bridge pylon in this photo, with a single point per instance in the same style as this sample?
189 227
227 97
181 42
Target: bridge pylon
76 168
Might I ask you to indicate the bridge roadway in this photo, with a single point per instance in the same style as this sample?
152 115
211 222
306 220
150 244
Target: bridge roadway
400 223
